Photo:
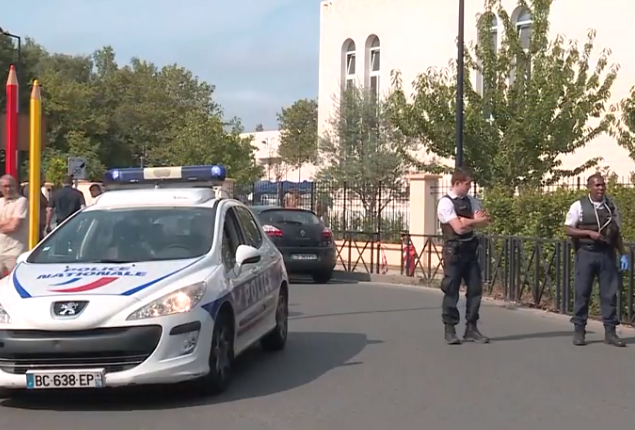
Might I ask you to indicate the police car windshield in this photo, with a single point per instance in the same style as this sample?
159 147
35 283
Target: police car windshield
129 235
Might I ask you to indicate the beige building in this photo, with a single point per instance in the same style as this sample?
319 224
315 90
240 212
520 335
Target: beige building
266 144
364 40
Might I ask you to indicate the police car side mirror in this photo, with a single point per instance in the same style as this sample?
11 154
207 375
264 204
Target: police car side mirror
22 257
247 255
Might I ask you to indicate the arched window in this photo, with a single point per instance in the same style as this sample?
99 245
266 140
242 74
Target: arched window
373 64
492 39
349 62
523 21
523 26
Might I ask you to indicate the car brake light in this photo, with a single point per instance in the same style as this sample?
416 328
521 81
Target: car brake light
272 231
327 234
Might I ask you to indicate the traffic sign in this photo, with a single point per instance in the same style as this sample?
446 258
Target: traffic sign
77 167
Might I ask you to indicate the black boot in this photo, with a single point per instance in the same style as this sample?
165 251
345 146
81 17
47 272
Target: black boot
579 334
611 337
450 335
473 335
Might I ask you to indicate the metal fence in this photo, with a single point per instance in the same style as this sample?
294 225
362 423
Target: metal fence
533 272
376 208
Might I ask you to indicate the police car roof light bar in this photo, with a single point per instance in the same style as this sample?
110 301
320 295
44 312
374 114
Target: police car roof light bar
214 174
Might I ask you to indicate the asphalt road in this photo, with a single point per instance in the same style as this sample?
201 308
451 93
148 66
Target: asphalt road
367 356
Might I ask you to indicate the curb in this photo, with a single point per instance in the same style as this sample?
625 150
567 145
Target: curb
384 279
434 284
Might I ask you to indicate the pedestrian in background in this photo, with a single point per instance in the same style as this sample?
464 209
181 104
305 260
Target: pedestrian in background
14 228
459 214
593 223
64 203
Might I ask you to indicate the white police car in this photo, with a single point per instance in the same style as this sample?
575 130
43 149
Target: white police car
162 280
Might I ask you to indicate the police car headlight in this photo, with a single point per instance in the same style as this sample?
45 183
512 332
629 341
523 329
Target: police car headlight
4 316
176 302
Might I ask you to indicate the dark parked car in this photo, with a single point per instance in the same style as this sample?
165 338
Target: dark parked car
305 243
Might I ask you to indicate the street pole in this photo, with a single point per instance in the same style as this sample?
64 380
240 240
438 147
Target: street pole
459 86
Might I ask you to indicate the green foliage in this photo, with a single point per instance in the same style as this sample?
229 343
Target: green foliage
532 213
362 153
535 213
298 133
515 129
117 116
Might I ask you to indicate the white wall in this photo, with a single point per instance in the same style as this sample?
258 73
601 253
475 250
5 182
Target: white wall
266 143
418 34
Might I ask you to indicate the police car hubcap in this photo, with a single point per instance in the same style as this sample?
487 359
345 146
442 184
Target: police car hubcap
282 316
221 353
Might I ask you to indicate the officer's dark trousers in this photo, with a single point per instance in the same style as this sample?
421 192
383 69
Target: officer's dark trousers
461 264
589 264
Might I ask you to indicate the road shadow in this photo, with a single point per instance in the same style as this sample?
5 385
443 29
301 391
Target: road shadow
307 280
379 311
539 335
308 356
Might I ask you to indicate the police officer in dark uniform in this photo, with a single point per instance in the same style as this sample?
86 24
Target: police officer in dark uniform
459 214
594 225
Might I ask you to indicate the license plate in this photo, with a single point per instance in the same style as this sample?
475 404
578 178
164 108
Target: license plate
304 257
44 379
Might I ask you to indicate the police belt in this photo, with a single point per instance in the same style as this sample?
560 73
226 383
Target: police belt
465 244
597 246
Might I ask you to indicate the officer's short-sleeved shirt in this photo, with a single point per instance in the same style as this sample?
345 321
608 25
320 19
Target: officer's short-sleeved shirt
66 201
446 211
574 216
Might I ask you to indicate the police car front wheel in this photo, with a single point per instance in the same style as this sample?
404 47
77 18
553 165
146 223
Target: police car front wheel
276 339
221 356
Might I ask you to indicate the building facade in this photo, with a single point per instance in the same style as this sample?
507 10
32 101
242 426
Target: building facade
362 41
266 144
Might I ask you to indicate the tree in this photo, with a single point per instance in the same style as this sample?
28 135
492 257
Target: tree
260 127
117 116
625 125
298 133
535 104
362 154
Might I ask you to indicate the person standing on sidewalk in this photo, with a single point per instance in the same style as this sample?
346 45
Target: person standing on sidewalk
593 224
14 227
63 203
459 214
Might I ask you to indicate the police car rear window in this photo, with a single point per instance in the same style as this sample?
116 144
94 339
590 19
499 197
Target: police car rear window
282 216
129 235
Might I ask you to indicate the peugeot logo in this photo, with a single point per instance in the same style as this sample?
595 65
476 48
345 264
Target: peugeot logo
69 309
302 233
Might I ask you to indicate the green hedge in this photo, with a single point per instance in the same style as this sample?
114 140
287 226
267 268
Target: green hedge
536 213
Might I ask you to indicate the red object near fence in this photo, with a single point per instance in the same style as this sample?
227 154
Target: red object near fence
409 255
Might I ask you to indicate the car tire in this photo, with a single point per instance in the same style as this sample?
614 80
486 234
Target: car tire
276 339
221 356
322 277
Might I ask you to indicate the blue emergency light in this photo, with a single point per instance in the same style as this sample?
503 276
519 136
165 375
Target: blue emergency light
138 175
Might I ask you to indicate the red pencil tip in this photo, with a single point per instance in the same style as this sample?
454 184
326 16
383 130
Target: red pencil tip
12 68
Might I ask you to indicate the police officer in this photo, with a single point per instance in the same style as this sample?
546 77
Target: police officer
594 225
459 214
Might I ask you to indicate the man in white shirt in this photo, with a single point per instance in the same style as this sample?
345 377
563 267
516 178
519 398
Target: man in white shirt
459 214
14 228
593 223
